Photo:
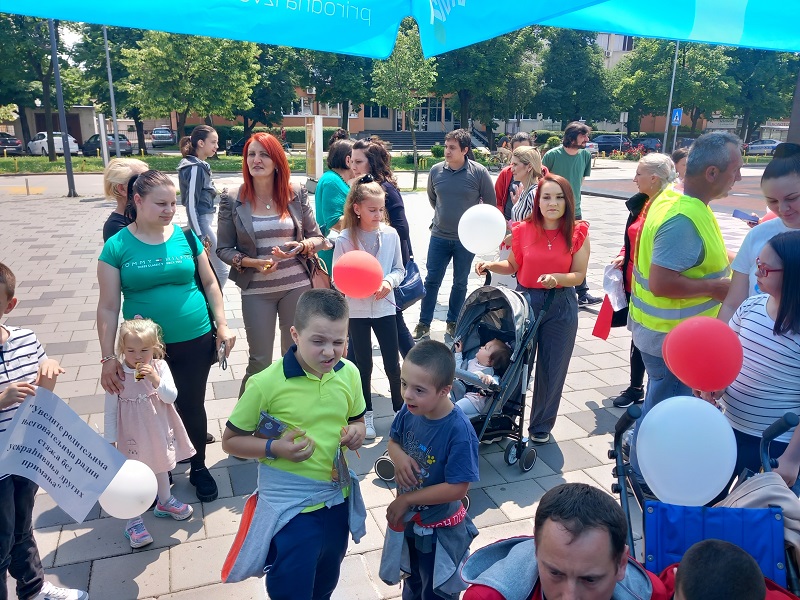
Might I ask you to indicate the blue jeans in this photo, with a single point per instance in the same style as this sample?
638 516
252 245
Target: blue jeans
661 384
440 251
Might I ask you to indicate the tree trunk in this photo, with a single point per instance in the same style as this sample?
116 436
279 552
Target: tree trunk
794 121
744 133
491 137
345 115
182 124
209 121
248 126
695 118
140 135
26 128
464 98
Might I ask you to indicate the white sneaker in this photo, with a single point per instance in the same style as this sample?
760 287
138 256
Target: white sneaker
51 592
369 422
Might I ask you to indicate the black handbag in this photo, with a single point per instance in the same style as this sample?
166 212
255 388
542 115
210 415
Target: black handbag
412 288
190 239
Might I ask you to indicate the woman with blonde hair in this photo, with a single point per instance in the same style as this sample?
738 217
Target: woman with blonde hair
526 167
115 185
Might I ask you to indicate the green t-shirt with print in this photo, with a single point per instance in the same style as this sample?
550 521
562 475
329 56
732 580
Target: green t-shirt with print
573 168
157 282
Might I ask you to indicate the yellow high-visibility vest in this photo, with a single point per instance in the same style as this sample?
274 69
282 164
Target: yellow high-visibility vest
663 314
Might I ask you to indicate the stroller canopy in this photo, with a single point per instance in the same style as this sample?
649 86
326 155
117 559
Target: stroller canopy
501 309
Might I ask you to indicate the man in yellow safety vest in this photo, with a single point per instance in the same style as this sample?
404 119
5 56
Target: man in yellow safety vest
682 268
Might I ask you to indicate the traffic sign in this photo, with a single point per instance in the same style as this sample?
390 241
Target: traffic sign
677 116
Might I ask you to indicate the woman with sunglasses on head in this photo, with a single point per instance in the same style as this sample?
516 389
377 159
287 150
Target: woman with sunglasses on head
371 157
768 386
549 251
780 185
265 231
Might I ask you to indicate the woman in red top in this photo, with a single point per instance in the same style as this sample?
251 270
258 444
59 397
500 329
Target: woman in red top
653 174
549 251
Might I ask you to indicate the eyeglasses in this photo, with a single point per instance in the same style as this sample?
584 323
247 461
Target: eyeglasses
786 150
368 178
764 271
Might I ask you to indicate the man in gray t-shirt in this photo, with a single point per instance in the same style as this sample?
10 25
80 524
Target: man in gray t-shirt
713 166
453 186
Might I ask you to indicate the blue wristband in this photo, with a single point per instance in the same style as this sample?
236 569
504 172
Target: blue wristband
268 450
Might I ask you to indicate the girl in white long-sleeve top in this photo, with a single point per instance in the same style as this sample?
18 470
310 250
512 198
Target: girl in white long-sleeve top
365 228
142 419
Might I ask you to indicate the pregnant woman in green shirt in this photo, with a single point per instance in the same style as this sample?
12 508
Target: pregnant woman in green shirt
151 265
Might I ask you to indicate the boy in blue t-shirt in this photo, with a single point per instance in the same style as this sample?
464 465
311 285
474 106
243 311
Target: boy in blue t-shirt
435 452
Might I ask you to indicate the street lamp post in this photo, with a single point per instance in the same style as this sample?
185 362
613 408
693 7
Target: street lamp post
111 91
62 116
671 88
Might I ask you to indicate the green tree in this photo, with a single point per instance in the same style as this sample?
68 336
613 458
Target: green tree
26 51
185 74
483 70
91 55
275 89
398 80
574 82
763 85
338 79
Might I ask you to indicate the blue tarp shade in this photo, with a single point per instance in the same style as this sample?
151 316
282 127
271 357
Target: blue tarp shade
362 27
766 24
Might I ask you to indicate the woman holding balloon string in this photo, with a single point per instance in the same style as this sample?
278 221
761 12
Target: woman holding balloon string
549 251
768 384
365 229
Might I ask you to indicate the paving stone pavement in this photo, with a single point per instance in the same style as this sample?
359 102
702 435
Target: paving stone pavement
52 244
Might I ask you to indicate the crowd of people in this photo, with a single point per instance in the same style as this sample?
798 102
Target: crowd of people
299 415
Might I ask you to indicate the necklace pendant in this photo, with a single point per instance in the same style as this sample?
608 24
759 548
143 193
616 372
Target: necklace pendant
549 246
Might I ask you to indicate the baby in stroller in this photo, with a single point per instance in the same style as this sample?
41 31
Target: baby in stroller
489 363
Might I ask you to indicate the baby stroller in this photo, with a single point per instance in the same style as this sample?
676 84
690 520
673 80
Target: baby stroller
669 530
504 314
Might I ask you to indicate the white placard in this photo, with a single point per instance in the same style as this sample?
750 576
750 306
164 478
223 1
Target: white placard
48 443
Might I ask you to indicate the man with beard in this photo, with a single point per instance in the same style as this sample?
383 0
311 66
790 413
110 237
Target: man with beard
573 162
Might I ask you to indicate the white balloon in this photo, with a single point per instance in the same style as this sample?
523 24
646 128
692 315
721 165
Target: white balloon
686 450
131 492
482 229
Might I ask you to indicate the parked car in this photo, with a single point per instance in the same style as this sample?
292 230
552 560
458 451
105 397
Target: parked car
684 142
91 147
38 145
607 142
650 144
765 147
592 148
9 144
237 148
163 136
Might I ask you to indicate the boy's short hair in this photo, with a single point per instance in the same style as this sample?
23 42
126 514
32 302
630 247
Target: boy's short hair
718 570
8 280
500 355
329 304
437 359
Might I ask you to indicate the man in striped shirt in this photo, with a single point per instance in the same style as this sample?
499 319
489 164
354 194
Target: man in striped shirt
23 366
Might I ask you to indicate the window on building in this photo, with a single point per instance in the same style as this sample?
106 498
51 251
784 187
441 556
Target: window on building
374 111
627 43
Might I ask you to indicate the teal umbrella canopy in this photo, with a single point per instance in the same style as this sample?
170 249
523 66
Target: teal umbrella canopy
360 27
764 24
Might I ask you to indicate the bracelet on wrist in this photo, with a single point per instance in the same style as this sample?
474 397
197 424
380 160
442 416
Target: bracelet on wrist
105 359
268 450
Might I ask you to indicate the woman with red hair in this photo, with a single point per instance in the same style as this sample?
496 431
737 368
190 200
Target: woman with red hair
549 251
266 230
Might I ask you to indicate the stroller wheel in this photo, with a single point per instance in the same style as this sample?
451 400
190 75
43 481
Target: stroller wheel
510 455
465 502
384 468
528 459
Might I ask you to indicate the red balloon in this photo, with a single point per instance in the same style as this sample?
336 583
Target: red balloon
357 274
704 353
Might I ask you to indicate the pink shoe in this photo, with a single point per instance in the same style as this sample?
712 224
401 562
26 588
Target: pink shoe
173 508
137 533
